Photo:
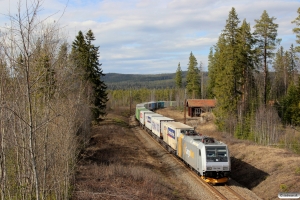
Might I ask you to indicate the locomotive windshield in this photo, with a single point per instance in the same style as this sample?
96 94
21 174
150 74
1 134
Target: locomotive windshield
216 154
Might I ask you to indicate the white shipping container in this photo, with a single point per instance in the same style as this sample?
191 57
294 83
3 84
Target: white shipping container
157 125
142 115
171 131
148 117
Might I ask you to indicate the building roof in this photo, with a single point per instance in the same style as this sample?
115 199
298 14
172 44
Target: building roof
201 102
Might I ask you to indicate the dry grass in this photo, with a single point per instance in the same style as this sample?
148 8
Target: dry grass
118 181
116 166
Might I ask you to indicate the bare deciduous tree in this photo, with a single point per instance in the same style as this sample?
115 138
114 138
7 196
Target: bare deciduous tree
43 112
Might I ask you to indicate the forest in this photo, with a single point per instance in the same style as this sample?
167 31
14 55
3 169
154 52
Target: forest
53 92
50 93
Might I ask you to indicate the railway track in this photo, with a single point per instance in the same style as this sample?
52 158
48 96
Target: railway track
220 191
225 192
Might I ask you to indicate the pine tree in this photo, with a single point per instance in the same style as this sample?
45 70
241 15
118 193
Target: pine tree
266 33
193 78
178 77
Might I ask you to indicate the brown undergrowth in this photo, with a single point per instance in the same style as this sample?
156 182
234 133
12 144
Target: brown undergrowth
116 166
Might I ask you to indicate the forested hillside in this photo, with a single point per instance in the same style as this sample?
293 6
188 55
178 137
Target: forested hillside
135 81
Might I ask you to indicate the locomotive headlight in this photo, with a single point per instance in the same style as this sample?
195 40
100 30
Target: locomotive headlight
209 168
225 168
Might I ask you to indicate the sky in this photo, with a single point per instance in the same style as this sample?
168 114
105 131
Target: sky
154 36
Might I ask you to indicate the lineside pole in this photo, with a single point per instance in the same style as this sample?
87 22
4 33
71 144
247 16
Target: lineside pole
184 111
130 104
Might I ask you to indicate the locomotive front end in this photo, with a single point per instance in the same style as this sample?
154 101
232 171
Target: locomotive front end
217 167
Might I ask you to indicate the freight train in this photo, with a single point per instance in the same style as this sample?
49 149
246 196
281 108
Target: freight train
208 157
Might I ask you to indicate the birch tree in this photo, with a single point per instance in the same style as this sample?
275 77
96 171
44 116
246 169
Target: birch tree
42 108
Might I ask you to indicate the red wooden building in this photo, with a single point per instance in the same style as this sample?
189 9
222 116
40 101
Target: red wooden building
197 106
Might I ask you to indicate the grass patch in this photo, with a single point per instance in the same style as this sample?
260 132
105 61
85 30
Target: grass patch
284 188
120 122
297 171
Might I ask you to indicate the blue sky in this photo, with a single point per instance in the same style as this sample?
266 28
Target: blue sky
153 36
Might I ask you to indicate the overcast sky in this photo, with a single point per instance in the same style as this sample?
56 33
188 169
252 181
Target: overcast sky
153 36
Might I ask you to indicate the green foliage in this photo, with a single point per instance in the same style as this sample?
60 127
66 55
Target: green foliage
86 58
289 109
138 81
120 122
122 97
178 77
297 29
284 188
193 78
297 171
225 72
243 129
212 75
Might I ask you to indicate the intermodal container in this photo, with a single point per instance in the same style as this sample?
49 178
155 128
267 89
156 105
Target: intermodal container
148 119
171 131
143 117
157 125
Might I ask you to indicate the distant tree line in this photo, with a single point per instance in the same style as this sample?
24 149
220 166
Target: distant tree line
49 95
138 81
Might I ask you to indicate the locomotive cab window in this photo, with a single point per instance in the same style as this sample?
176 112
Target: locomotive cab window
216 154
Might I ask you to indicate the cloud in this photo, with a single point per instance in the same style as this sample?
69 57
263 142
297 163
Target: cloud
142 36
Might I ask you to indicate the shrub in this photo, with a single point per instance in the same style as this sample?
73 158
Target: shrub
297 171
284 188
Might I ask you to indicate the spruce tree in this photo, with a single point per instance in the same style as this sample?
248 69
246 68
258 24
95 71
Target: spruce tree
225 71
95 74
86 57
233 69
247 62
211 74
193 78
289 106
246 87
178 77
266 33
